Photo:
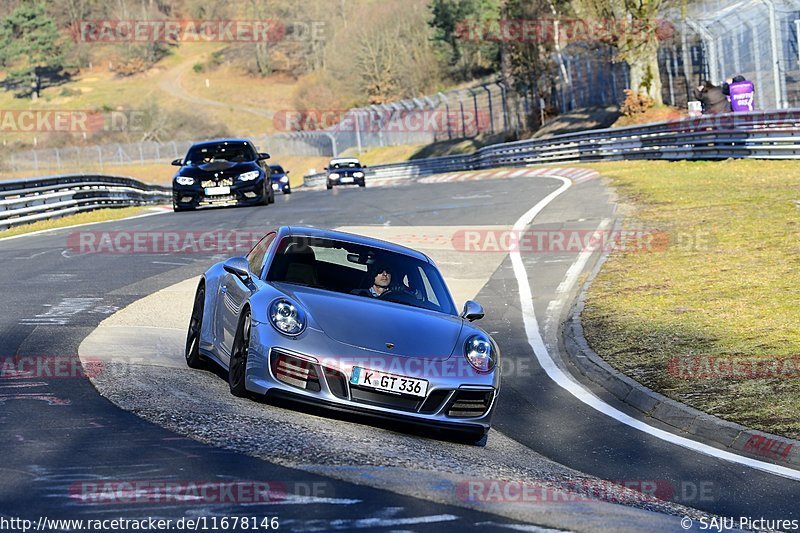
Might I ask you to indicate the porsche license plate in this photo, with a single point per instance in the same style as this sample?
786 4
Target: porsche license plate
347 180
389 382
217 191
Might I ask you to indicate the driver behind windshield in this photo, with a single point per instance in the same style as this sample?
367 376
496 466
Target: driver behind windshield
381 276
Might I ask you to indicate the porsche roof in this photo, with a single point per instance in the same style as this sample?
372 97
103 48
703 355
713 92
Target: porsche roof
351 237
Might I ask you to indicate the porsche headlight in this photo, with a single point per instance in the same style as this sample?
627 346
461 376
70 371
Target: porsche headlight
334 176
358 174
479 352
284 179
249 176
286 317
184 180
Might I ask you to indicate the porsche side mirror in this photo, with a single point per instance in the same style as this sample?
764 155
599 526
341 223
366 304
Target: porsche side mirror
177 163
287 172
238 267
262 156
472 311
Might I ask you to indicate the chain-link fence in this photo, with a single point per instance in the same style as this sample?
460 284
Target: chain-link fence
586 77
712 40
102 156
718 39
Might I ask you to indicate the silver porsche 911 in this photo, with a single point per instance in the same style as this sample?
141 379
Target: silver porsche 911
348 322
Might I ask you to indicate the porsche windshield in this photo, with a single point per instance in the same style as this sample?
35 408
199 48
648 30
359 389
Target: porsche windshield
360 270
210 153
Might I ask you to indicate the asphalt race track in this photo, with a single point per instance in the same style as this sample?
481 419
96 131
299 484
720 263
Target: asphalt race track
59 434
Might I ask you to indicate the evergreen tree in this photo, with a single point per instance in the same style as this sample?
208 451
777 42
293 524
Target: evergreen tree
30 45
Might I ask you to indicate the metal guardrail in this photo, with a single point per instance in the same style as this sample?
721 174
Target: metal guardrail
759 135
32 199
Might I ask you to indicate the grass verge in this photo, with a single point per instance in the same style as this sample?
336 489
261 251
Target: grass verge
99 215
712 319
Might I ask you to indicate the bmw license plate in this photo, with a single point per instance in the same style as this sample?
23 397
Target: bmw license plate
217 191
347 180
389 382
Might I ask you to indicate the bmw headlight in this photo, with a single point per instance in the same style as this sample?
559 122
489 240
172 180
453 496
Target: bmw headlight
334 176
249 176
286 317
184 180
480 353
358 174
284 179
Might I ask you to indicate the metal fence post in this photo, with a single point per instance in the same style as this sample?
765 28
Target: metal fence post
475 109
776 66
358 132
505 105
759 82
333 144
491 110
713 62
669 77
443 99
463 122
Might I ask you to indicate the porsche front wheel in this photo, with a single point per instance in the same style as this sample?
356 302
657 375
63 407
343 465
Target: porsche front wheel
238 365
192 352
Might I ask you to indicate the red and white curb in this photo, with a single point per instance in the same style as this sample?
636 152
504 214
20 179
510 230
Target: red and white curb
577 175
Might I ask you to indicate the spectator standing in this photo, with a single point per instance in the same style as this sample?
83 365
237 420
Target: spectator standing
712 98
741 93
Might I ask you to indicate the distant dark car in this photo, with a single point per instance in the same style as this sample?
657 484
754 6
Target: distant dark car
345 171
221 172
280 179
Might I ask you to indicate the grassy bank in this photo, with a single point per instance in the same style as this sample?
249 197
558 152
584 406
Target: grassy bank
725 290
99 215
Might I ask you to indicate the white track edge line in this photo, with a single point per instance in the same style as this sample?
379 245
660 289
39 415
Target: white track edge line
558 376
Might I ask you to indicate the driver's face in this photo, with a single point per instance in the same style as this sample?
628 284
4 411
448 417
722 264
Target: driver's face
383 278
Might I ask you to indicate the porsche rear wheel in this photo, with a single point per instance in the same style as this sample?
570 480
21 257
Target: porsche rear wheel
238 365
192 352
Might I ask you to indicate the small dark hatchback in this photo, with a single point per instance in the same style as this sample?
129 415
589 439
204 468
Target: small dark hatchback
280 179
219 173
345 171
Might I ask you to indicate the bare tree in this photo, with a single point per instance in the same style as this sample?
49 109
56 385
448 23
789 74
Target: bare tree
632 30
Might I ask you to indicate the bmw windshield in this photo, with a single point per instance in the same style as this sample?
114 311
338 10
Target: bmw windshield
210 153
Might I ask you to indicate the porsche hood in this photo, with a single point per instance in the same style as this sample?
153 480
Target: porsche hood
374 324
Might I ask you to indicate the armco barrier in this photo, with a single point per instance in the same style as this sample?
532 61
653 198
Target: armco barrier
761 135
29 200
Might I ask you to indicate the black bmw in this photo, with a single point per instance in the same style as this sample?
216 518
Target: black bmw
221 172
